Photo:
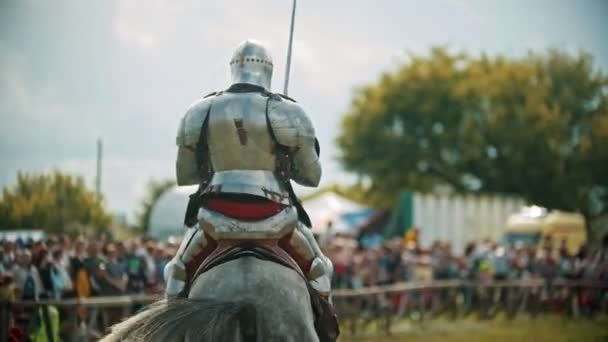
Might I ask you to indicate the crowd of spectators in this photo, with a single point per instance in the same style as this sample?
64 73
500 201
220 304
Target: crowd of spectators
63 267
401 261
485 261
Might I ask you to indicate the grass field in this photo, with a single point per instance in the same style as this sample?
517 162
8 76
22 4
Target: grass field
545 328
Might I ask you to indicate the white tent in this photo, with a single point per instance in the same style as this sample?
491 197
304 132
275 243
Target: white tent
329 207
167 216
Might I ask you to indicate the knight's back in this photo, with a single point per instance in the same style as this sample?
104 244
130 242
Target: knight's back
238 134
246 139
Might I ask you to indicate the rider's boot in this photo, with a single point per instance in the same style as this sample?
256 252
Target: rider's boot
319 277
321 268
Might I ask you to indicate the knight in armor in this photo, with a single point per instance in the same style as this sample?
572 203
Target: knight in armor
243 146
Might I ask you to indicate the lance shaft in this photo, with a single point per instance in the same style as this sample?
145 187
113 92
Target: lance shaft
288 66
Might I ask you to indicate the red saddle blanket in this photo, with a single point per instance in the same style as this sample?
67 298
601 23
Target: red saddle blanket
245 211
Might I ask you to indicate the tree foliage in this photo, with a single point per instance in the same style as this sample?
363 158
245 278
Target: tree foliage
55 203
535 126
155 190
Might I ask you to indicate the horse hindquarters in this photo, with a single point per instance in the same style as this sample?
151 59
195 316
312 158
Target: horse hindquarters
279 295
242 300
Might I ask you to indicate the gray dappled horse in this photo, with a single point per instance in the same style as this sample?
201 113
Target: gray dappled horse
245 299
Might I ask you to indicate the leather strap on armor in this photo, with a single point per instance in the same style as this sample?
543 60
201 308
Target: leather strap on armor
283 168
205 170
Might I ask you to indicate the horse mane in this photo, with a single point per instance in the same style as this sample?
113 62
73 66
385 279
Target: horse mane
189 320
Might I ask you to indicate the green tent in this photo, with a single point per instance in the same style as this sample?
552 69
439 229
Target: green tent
402 217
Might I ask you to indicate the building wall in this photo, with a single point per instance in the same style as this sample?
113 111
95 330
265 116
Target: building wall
461 219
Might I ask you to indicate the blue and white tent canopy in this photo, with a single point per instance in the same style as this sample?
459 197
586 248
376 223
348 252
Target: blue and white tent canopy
343 214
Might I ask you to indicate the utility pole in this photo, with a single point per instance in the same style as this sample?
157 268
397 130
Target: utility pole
98 173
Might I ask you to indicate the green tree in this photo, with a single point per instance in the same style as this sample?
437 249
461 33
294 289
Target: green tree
55 203
535 126
155 190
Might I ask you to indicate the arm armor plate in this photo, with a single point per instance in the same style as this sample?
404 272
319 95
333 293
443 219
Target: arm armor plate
186 169
294 130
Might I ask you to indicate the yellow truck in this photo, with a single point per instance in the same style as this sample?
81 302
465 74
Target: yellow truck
535 225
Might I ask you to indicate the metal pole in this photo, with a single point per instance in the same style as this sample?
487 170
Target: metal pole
98 175
288 67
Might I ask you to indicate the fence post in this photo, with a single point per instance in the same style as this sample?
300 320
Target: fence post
126 310
4 321
354 318
388 311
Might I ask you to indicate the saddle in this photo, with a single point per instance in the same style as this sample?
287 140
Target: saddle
326 322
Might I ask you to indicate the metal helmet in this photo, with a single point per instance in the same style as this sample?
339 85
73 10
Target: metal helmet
251 63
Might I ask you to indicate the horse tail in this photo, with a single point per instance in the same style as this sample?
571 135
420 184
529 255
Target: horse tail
189 320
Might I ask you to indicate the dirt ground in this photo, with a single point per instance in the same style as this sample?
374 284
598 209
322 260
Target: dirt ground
546 328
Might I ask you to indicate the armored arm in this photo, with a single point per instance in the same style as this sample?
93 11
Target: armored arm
186 168
321 268
294 130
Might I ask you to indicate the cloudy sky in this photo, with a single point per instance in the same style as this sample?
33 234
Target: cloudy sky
125 70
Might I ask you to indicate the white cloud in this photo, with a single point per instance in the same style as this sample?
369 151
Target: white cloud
30 111
469 9
138 23
334 70
12 84
148 24
124 180
144 40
